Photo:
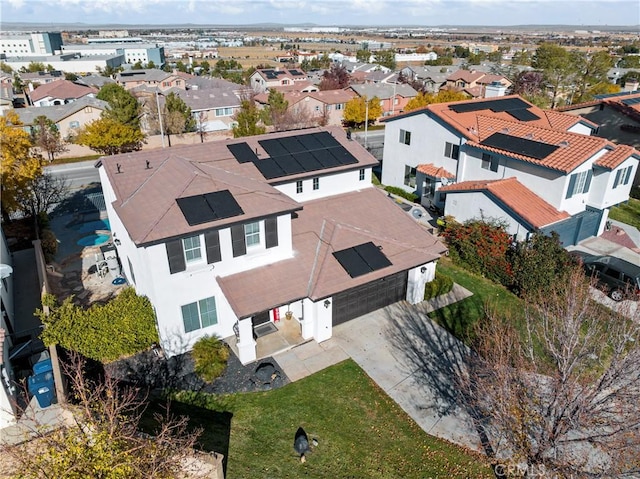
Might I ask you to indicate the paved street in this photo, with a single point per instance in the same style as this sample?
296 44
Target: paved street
78 175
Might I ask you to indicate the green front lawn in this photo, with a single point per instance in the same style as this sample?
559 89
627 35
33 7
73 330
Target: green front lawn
63 161
460 317
361 432
628 213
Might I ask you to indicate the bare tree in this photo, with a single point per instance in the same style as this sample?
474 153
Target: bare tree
563 397
46 136
105 440
41 193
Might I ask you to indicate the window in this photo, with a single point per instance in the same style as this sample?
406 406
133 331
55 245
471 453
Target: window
579 183
409 176
489 162
316 183
299 186
622 176
74 124
224 111
405 137
192 249
328 108
200 314
339 106
361 175
252 234
451 150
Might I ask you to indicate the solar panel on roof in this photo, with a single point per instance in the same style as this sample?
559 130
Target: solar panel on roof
242 152
343 156
326 159
326 139
308 161
269 168
212 206
523 114
223 204
289 165
522 146
310 142
292 145
506 104
273 147
631 101
362 259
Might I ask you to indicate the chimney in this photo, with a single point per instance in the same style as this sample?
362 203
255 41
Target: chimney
631 86
494 89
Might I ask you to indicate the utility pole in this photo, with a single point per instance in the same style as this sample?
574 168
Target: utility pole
160 116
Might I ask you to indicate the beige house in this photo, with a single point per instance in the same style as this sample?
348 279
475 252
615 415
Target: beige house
262 80
151 78
68 118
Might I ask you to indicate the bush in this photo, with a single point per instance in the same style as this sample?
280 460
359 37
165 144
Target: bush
635 192
441 284
400 192
124 326
210 355
49 244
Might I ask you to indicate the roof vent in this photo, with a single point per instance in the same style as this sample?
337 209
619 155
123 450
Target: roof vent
148 165
504 130
529 136
563 144
118 167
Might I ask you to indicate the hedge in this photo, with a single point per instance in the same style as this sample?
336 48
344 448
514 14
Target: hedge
441 284
400 192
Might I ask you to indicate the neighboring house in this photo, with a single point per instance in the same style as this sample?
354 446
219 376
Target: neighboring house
95 81
320 107
263 79
69 118
379 76
364 67
474 83
6 97
504 157
41 78
432 77
393 97
8 392
227 236
59 93
150 78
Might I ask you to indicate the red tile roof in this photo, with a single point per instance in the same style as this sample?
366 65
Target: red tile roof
322 227
564 121
430 169
63 89
616 157
517 197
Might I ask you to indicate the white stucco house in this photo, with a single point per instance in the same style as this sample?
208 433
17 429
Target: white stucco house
504 157
228 236
8 391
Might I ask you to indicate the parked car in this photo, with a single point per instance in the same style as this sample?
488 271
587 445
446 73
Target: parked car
619 278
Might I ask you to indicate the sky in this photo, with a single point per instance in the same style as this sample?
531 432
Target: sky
324 12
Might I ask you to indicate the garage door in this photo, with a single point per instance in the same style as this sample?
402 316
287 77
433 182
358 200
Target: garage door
369 297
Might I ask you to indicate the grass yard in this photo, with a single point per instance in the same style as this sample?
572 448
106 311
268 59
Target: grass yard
459 317
628 213
361 432
62 161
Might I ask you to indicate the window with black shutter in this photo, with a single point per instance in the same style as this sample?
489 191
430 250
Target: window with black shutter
237 240
271 232
175 256
212 244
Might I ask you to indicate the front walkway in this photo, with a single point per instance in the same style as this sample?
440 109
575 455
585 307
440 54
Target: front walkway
407 355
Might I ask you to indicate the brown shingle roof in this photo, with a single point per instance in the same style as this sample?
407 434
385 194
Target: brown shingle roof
430 169
61 89
517 197
146 197
322 227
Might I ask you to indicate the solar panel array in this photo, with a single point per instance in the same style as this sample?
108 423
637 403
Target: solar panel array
200 209
272 74
523 114
631 101
505 104
293 155
521 146
362 259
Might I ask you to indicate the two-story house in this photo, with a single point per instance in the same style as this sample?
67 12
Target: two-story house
227 236
393 97
263 79
151 78
506 158
475 83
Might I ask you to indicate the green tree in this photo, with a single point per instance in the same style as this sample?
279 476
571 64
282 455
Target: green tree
176 117
137 65
629 61
151 64
70 76
276 112
363 56
205 67
592 69
46 136
109 71
109 137
386 58
521 57
181 67
355 110
18 164
247 120
558 66
123 106
34 67
5 68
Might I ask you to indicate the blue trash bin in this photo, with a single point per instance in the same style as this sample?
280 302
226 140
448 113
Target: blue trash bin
42 387
43 366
